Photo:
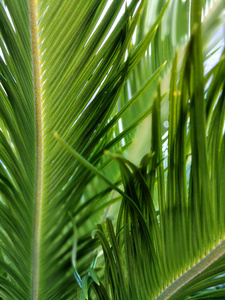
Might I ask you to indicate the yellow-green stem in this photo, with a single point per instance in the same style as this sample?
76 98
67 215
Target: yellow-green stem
186 278
38 116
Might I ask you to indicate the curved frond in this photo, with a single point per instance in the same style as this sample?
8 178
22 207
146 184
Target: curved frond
61 70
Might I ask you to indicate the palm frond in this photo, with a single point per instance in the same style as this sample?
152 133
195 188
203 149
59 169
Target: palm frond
61 71
163 47
71 75
168 241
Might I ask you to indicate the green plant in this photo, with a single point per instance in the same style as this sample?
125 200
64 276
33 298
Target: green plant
60 84
169 239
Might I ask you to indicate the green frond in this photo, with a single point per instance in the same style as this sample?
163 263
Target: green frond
179 196
60 71
76 80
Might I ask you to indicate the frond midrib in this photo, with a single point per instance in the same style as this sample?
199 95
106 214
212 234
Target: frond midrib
197 269
39 148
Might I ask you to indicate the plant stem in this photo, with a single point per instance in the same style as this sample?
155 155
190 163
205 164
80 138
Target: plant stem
39 159
201 266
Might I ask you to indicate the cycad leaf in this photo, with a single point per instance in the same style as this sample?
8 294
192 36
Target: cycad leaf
179 196
58 72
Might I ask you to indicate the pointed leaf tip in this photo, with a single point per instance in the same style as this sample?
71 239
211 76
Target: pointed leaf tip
93 233
93 275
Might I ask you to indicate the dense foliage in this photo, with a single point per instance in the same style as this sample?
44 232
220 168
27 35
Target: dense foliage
77 79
